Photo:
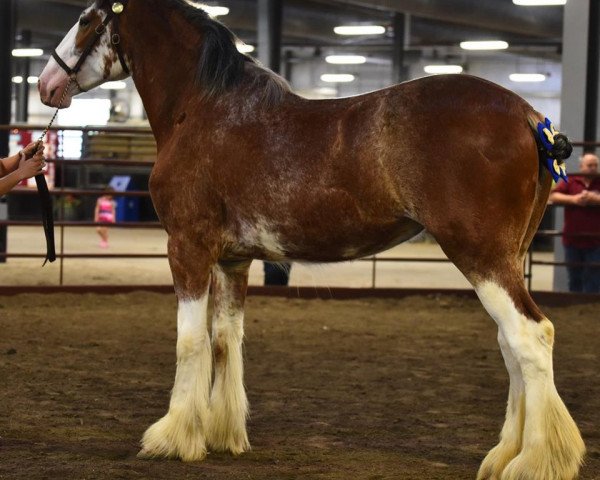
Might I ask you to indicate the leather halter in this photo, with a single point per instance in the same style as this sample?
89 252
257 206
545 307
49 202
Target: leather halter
116 10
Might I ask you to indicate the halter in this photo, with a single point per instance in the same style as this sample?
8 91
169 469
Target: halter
116 9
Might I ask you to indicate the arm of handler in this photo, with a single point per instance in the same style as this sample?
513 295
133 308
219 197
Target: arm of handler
8 182
26 168
10 164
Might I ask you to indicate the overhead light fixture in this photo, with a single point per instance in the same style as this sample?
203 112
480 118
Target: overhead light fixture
216 11
484 45
345 59
437 69
337 77
27 52
212 10
17 79
244 47
32 80
539 3
527 77
113 85
359 30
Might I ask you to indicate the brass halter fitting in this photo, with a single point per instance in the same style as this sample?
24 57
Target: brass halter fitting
117 8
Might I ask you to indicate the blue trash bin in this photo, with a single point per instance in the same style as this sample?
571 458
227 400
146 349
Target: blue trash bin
128 208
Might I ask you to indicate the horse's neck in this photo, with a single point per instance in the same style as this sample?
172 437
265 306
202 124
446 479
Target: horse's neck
164 65
165 60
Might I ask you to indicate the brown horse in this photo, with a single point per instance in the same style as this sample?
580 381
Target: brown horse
248 170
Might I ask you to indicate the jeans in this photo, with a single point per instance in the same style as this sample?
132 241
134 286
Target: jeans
583 279
277 273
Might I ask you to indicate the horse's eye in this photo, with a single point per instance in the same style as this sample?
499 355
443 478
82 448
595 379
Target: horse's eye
84 22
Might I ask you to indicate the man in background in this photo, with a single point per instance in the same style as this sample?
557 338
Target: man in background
581 199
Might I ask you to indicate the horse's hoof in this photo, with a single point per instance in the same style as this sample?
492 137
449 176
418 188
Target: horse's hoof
167 439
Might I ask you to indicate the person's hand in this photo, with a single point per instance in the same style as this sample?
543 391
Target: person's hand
32 149
581 199
30 167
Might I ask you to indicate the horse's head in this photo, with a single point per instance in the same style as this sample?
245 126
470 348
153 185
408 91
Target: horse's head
89 55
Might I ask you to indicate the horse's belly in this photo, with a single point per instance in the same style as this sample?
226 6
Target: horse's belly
313 244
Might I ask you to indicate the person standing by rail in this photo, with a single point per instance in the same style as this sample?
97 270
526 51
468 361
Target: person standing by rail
581 198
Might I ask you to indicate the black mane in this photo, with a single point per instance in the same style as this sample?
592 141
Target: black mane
221 65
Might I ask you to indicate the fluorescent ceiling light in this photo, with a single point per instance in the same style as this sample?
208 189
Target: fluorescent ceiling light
27 52
484 45
244 47
345 59
527 77
113 85
539 3
212 10
17 79
215 11
359 30
32 80
435 69
337 77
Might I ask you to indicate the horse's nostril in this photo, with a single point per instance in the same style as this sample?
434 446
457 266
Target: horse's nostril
53 92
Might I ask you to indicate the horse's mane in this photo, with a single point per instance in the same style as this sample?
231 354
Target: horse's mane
221 66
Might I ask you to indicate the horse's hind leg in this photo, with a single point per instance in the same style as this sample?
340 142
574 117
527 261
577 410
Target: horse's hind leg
550 444
228 403
181 432
539 440
511 437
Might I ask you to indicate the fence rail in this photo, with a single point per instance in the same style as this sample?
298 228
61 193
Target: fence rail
60 190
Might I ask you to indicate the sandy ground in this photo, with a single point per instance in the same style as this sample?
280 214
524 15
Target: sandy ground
156 271
363 389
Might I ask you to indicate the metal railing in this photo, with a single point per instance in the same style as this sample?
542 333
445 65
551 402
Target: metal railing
61 191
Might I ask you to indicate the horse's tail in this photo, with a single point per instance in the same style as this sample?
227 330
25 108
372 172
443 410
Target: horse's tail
551 143
559 150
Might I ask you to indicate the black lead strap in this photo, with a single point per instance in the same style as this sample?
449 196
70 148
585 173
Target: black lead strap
47 217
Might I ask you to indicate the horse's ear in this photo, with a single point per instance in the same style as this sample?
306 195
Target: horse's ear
220 65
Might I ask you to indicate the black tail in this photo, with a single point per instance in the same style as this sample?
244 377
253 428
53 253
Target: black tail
559 148
562 148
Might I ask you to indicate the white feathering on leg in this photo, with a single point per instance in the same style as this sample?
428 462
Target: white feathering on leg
552 447
511 436
228 403
181 432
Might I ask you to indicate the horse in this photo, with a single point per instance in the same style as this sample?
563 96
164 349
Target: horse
246 169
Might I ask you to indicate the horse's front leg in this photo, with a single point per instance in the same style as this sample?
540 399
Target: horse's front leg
181 432
228 402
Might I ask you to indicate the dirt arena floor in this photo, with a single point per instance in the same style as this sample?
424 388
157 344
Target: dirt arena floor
409 388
